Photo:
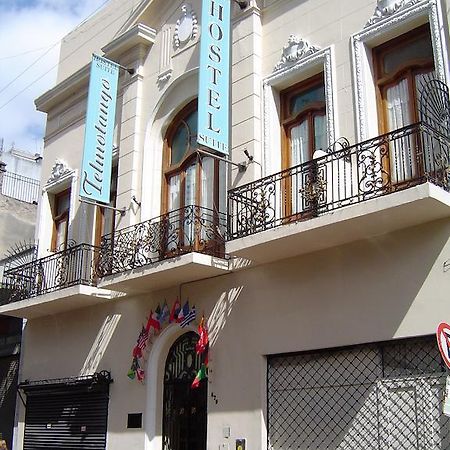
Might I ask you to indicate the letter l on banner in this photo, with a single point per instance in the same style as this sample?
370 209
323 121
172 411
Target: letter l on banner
95 180
214 77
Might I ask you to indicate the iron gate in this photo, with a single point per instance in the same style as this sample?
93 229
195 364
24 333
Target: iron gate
376 396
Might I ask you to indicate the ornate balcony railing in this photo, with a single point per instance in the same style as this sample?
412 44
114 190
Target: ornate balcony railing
74 266
392 162
185 230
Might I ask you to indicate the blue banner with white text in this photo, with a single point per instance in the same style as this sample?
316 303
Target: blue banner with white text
214 77
95 177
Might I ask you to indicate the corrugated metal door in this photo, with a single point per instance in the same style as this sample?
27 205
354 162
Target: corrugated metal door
384 396
66 419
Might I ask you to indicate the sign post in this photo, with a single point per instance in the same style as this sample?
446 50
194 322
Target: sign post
214 77
95 179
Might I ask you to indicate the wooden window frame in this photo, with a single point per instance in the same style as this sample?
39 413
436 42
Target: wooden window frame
60 218
191 157
406 71
309 113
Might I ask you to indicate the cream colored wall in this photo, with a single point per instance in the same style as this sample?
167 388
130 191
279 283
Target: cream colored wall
90 36
391 286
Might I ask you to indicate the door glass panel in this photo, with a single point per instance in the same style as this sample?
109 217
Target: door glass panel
179 144
398 103
320 137
174 192
299 143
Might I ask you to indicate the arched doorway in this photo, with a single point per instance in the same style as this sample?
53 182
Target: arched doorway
184 408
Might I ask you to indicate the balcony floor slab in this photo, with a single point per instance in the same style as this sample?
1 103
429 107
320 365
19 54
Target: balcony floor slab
382 215
170 272
60 301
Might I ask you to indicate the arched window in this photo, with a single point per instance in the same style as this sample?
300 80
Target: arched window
194 191
184 408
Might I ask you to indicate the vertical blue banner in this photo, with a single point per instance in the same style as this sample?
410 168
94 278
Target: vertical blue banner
95 182
214 78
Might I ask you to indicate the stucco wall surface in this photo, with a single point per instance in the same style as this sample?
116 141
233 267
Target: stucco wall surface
367 291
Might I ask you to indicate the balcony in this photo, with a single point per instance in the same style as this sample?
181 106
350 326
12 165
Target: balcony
393 181
183 245
59 282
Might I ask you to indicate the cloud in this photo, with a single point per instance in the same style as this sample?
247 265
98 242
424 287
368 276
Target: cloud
32 29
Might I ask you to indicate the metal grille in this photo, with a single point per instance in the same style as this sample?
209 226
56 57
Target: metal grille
376 396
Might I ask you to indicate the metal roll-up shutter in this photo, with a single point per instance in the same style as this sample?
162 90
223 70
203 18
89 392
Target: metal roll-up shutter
66 415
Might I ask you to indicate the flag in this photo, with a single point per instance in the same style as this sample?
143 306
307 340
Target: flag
153 322
201 375
142 339
203 339
158 313
132 372
183 312
188 318
175 311
140 374
137 352
164 313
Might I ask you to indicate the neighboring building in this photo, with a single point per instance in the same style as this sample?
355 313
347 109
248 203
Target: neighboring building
320 263
18 207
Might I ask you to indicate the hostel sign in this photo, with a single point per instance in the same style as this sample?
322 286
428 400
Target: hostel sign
95 177
214 78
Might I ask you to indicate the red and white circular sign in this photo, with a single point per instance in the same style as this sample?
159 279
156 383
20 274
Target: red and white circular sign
443 340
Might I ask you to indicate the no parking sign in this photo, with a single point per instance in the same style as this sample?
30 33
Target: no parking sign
443 340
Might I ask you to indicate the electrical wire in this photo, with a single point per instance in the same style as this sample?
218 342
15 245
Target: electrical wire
41 56
22 54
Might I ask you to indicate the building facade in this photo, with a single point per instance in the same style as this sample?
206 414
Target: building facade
318 258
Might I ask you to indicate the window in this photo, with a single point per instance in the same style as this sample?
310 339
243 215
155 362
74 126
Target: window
402 65
60 213
303 121
194 185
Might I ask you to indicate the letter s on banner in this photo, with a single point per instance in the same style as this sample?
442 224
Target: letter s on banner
95 180
214 77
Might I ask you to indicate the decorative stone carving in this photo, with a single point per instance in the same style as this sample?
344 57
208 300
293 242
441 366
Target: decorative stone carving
295 49
386 8
58 171
186 28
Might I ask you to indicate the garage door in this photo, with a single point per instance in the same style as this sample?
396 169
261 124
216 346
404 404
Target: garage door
377 396
67 414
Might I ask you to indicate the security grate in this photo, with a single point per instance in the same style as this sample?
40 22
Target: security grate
376 396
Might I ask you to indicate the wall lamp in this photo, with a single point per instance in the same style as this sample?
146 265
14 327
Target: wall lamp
242 3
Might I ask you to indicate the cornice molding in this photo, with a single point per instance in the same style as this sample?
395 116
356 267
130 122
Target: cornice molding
138 35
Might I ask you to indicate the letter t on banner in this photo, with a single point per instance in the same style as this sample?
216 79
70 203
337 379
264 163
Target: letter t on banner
95 180
214 78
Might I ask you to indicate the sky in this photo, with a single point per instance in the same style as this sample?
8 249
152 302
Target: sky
30 33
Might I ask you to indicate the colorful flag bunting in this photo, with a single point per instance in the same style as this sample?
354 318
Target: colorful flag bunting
175 311
188 318
184 311
203 339
201 375
153 322
164 313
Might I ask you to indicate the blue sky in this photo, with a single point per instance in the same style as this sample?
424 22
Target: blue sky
29 47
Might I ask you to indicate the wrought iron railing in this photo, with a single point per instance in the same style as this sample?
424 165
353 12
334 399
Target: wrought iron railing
392 162
185 230
73 266
19 187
